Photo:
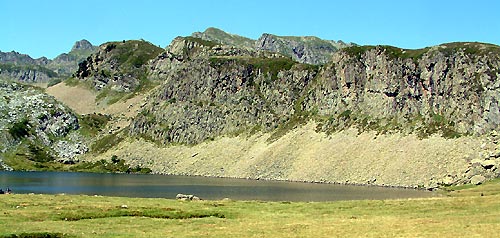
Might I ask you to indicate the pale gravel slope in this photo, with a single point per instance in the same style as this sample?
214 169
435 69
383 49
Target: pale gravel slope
304 155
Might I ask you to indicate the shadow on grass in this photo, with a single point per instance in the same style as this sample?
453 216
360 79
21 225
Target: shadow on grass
151 213
36 235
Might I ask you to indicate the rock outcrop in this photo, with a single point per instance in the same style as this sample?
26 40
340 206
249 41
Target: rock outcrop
452 89
306 49
37 121
303 49
67 63
221 37
118 65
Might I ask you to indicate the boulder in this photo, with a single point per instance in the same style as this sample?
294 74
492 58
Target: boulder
477 179
488 164
186 197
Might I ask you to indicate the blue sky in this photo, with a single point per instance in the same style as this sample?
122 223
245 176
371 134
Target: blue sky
48 28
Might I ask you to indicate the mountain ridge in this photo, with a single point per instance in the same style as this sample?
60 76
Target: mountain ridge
22 67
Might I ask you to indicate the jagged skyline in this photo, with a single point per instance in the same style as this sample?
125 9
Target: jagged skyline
56 25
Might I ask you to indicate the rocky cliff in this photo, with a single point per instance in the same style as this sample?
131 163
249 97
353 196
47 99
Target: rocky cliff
450 89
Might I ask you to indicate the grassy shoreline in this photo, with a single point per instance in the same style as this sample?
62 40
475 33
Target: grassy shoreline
460 212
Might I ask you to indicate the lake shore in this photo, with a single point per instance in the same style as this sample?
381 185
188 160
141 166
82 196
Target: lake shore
464 212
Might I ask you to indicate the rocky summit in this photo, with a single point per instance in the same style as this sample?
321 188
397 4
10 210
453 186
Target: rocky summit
294 108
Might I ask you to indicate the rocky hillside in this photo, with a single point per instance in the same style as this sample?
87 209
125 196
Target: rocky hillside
35 126
21 67
305 49
118 66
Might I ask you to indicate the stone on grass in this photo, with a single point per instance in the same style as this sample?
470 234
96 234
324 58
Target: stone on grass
477 179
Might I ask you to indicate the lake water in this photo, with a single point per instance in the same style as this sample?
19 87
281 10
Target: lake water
166 186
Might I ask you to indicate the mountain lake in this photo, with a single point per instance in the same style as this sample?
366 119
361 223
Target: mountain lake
168 186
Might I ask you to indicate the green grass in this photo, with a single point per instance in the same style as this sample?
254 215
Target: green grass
92 124
391 51
106 142
104 166
461 213
23 159
471 48
36 235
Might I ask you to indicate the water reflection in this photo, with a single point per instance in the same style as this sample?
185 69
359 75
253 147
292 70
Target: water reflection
162 186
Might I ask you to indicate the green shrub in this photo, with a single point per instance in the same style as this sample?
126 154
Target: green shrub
91 124
53 82
35 235
20 129
39 154
106 142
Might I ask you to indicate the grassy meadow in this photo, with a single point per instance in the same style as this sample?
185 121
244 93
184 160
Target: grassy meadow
459 212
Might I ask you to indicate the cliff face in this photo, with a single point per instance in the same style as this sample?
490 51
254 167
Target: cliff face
451 90
416 97
208 91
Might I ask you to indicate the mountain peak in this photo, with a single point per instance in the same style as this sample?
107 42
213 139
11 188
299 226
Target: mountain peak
220 36
82 45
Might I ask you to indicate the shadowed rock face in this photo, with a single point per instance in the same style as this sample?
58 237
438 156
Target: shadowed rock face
121 65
